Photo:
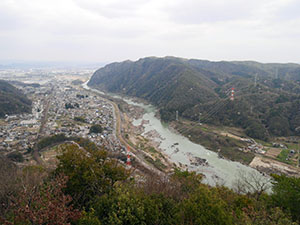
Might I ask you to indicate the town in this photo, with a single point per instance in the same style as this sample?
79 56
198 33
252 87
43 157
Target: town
59 106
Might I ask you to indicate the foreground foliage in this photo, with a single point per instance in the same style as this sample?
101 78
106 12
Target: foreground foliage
90 173
89 188
39 199
287 194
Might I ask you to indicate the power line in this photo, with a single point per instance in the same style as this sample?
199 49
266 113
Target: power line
216 111
221 107
218 106
213 110
219 102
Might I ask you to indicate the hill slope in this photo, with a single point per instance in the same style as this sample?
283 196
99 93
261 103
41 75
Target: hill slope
268 107
12 100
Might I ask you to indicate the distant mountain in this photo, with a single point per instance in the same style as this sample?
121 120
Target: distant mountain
164 82
267 96
12 100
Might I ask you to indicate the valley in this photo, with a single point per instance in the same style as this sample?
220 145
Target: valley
90 131
266 96
153 112
60 105
250 127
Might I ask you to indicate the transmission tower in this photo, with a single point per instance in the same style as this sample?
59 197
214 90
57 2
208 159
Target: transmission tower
128 162
232 94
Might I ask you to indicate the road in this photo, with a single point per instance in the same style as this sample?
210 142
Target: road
35 154
139 156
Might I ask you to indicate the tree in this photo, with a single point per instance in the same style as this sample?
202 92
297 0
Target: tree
286 194
261 215
131 205
69 106
186 181
42 203
279 125
9 184
16 156
89 218
90 173
204 206
255 129
120 207
96 129
253 183
51 140
79 119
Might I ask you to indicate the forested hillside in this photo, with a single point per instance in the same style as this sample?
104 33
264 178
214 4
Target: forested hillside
12 100
267 96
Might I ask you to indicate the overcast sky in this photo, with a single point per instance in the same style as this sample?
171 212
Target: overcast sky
116 30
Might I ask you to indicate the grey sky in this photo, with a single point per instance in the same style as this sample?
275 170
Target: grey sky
115 30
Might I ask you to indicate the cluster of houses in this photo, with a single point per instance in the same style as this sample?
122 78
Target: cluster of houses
19 132
252 146
89 110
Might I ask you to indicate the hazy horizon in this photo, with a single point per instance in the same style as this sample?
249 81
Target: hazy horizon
93 63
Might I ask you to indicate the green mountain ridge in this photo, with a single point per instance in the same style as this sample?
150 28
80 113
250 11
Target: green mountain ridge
268 107
12 100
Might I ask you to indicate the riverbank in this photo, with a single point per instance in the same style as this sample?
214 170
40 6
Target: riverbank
142 150
228 142
218 139
232 143
180 150
147 142
167 149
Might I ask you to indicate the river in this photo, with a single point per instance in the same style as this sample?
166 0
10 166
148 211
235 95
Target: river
218 170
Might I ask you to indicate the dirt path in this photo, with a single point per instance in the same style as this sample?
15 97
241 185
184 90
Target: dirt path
226 134
273 152
269 165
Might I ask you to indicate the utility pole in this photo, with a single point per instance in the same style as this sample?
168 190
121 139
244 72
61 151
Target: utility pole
200 118
255 80
176 115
